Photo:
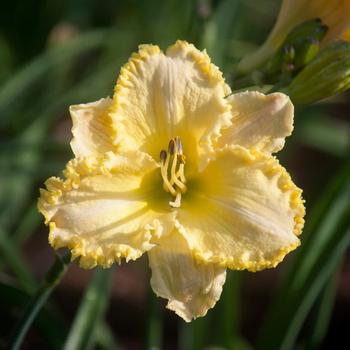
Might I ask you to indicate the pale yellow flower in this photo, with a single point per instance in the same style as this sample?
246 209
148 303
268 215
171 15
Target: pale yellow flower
335 14
173 167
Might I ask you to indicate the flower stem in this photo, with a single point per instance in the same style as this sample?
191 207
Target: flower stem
194 335
323 312
51 280
230 314
154 320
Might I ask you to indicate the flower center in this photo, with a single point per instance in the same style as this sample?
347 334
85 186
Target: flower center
173 171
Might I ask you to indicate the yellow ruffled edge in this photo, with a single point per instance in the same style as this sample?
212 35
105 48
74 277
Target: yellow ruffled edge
132 67
296 202
105 258
200 58
76 168
202 61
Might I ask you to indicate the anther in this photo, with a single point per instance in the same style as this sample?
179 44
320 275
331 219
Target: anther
163 156
171 147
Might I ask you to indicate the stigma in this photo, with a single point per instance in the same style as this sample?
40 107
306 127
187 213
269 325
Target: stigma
173 171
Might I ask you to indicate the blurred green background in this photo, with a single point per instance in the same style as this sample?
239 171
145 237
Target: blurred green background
55 53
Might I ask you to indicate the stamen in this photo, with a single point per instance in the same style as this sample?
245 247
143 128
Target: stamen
171 147
181 171
177 202
164 157
173 178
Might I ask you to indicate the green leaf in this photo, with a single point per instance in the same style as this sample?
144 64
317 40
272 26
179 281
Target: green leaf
218 28
104 338
51 280
91 311
325 133
323 313
170 23
226 313
12 92
11 256
50 326
31 220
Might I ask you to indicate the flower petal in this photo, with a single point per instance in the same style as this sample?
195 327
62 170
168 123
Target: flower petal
243 212
93 129
335 14
259 121
101 211
190 287
160 96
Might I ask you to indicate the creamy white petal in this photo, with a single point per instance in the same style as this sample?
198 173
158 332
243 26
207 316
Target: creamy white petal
190 287
243 211
259 121
159 96
102 212
93 129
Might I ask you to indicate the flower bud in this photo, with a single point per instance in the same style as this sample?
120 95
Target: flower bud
325 76
333 14
300 47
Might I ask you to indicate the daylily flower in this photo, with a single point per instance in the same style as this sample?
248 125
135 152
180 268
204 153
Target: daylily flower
335 14
177 167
